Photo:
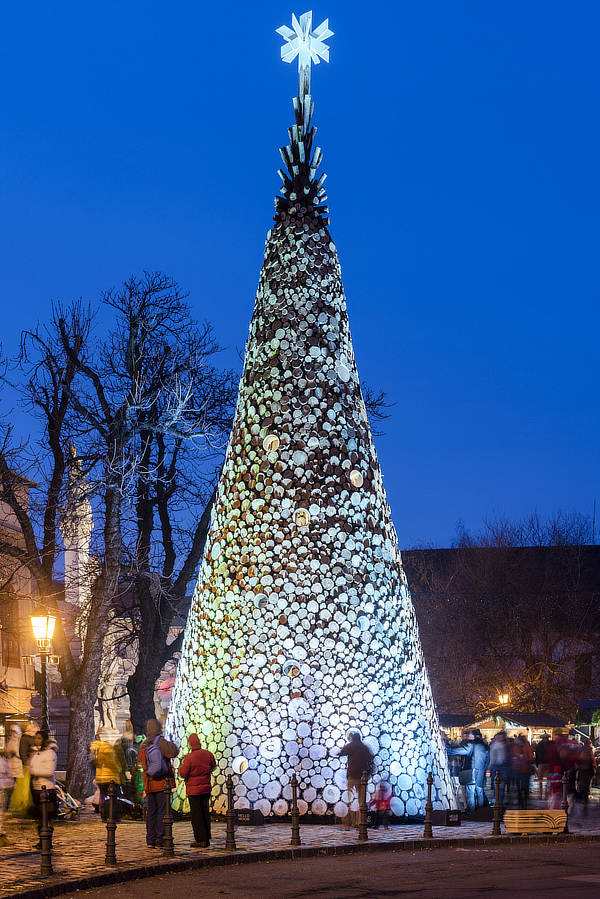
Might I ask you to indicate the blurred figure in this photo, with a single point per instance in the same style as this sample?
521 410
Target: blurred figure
26 742
568 752
585 767
382 803
21 800
476 749
137 778
554 774
500 763
42 765
360 760
7 782
522 767
108 768
196 769
540 750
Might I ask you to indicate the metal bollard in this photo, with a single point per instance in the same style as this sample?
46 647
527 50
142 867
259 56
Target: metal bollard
45 835
565 801
428 829
363 833
497 808
168 847
230 817
111 826
295 841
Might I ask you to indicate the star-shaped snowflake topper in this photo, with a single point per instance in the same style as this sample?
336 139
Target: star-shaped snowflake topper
302 42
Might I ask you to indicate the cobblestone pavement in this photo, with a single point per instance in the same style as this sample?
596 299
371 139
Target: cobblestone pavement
79 846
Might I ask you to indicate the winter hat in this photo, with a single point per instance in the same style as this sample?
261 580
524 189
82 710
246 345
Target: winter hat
194 741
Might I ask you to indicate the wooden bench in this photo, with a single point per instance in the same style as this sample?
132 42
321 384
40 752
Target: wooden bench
535 821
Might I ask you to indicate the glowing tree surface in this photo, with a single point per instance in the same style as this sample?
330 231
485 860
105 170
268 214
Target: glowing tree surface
301 627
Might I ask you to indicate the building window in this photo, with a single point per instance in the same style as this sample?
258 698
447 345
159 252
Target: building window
9 619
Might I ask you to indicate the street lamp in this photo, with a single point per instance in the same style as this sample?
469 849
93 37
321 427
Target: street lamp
503 699
43 629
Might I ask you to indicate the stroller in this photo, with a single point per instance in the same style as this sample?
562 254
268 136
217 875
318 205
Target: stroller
68 806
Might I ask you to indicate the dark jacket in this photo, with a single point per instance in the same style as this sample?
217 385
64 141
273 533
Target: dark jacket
168 749
479 753
26 747
360 758
196 768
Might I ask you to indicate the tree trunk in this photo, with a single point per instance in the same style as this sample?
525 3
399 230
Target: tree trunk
81 733
140 687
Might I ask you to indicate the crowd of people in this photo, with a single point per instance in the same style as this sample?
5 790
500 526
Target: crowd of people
140 767
517 762
27 765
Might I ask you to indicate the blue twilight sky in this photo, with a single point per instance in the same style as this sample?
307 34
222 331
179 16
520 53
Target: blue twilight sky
462 145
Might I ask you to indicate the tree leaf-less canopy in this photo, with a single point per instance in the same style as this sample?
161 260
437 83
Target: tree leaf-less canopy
148 410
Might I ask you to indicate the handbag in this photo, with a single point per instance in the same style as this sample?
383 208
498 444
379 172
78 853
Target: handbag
21 802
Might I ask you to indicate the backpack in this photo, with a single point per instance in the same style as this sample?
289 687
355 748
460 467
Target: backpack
156 764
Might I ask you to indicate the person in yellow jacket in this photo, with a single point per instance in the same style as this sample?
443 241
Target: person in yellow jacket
107 767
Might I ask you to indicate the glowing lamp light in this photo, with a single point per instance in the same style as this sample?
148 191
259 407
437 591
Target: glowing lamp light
503 698
43 628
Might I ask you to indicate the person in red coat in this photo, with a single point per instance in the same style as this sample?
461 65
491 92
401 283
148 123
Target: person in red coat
196 769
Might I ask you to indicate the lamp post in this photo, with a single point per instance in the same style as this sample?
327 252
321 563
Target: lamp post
503 699
43 629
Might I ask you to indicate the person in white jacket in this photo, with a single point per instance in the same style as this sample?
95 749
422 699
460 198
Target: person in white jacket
42 765
6 784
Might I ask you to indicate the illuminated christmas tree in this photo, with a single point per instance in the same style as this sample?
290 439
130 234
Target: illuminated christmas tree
301 627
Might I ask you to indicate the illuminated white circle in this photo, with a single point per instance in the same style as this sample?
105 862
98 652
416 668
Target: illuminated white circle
331 793
264 806
397 806
272 790
302 518
319 807
271 443
271 748
239 765
251 779
343 372
356 478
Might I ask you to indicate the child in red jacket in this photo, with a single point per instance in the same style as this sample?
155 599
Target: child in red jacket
382 801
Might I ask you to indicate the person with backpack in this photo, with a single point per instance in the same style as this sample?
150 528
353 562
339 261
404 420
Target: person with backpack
195 769
155 756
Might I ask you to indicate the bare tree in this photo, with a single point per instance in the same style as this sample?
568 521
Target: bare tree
512 609
141 386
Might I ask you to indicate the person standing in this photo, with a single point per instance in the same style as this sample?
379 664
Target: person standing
382 803
522 764
585 767
360 761
26 742
107 770
42 765
477 750
195 770
7 782
155 758
500 762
